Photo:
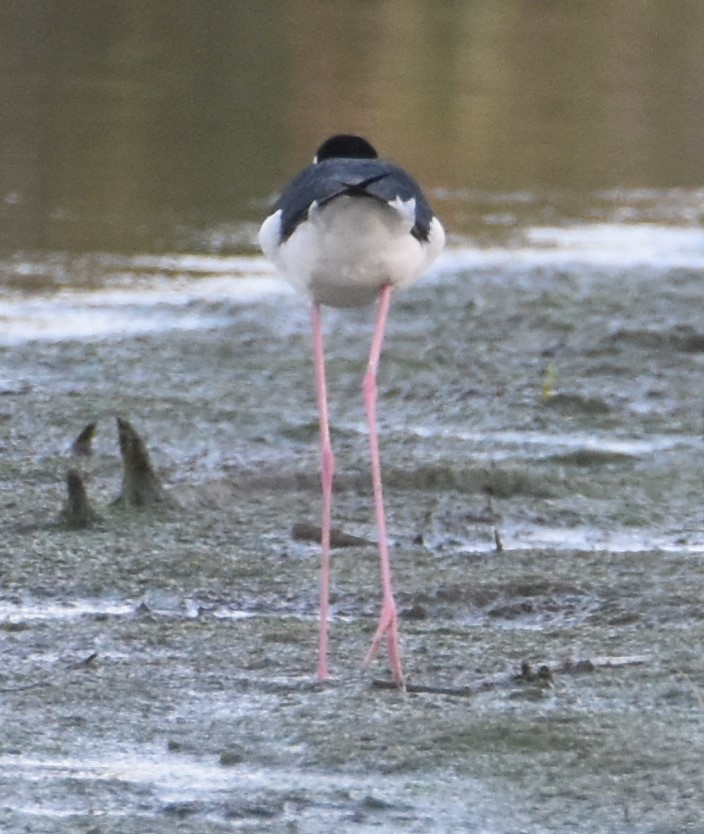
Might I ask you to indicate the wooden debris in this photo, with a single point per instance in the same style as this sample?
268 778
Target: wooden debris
78 512
58 678
82 445
338 538
141 486
541 675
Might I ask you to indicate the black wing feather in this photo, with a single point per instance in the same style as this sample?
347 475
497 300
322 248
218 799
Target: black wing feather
324 181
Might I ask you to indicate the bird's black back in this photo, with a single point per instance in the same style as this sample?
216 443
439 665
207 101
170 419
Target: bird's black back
374 179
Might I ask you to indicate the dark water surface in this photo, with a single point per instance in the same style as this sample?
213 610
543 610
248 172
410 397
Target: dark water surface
154 126
543 383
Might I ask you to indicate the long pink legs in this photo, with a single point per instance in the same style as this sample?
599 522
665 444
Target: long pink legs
327 472
388 619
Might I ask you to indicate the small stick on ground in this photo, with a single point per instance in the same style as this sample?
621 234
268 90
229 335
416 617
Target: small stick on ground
141 486
542 675
82 445
77 512
56 679
338 538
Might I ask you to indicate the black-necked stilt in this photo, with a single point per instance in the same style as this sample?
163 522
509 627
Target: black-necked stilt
350 228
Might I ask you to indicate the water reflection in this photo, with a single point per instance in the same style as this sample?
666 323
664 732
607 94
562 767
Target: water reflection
162 126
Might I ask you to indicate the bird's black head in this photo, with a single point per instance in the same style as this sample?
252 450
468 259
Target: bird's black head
345 146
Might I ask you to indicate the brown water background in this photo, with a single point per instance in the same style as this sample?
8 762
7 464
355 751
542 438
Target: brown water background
163 125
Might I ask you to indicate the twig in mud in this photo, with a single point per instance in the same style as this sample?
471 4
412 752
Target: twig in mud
492 514
50 680
338 538
78 512
141 486
541 675
82 445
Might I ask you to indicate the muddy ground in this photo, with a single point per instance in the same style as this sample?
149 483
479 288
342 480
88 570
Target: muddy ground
156 669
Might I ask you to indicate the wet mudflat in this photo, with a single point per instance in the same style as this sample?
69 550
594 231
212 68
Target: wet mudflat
157 667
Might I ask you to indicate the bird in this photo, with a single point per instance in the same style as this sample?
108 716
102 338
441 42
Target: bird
347 231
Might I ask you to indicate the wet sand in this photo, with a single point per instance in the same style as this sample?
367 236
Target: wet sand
157 666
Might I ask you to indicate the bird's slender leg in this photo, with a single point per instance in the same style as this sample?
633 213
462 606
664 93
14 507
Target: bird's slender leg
327 471
388 618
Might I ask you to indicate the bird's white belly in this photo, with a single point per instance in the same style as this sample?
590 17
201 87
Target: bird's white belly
345 252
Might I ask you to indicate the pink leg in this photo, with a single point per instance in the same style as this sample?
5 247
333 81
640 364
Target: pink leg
327 471
388 618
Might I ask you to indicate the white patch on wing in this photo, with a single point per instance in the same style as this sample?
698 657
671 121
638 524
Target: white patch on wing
313 211
436 241
406 210
270 236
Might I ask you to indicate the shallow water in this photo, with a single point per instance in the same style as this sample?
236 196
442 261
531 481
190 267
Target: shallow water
540 388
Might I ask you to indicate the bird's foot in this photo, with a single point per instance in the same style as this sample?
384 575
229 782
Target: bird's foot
388 626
